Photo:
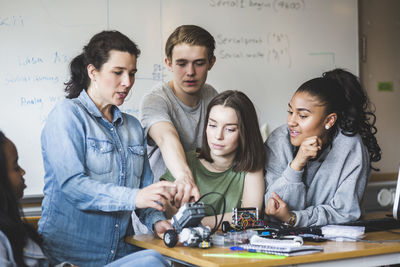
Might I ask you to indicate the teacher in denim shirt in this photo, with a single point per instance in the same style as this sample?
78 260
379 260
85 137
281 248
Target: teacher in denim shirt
96 168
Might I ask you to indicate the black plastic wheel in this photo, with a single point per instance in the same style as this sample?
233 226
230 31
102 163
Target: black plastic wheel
170 238
225 227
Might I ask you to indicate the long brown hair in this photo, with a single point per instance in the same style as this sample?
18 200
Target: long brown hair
250 154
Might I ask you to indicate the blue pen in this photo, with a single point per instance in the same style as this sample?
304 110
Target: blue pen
236 248
265 233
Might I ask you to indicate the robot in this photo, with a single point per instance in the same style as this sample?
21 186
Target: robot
188 228
242 219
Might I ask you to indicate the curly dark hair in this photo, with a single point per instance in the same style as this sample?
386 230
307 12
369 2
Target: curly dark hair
96 52
341 92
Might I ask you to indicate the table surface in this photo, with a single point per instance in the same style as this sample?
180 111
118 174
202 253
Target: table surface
332 251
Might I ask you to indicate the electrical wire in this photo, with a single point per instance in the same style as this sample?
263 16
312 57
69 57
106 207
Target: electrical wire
216 227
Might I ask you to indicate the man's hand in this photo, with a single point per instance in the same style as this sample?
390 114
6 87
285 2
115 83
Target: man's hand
155 195
166 137
186 189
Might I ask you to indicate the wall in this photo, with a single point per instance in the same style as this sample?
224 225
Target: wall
380 29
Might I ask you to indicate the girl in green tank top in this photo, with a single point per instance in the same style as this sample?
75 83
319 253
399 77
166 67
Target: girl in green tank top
231 158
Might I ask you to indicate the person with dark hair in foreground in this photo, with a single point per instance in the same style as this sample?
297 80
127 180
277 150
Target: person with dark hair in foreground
20 244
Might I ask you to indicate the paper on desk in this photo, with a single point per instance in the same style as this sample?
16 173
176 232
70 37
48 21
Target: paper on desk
292 241
343 232
283 251
291 246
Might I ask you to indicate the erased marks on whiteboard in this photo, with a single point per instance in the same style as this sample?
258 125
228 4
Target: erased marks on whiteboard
36 69
156 75
279 49
260 5
31 101
11 21
31 79
38 104
28 78
242 4
29 60
273 48
289 5
239 47
56 58
158 72
60 58
55 99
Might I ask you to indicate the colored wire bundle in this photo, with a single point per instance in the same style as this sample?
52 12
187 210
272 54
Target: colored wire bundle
248 219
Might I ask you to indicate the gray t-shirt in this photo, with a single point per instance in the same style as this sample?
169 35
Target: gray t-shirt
160 105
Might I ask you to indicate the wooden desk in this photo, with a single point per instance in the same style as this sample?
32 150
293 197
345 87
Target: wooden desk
32 220
334 254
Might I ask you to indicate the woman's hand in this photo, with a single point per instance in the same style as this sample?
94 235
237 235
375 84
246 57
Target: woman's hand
308 150
156 195
277 208
161 227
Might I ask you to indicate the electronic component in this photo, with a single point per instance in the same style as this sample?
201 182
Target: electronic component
189 215
242 219
188 228
195 236
232 238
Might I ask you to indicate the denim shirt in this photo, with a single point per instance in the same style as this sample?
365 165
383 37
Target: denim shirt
93 171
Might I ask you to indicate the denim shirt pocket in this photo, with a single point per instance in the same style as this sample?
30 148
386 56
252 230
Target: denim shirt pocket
99 156
136 156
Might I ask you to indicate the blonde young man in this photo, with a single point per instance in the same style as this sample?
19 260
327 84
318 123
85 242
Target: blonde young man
173 112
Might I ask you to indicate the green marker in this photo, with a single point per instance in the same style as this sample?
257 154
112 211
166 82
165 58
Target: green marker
250 255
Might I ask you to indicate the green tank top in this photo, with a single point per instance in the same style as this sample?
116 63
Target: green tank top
229 183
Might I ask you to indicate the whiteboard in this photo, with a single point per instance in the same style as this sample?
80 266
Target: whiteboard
265 48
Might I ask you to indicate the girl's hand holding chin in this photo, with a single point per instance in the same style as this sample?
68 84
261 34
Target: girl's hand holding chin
308 149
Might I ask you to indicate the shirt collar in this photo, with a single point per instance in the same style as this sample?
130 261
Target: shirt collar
91 107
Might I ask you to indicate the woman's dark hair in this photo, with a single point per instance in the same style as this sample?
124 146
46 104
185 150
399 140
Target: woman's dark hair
341 92
96 52
250 154
11 224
